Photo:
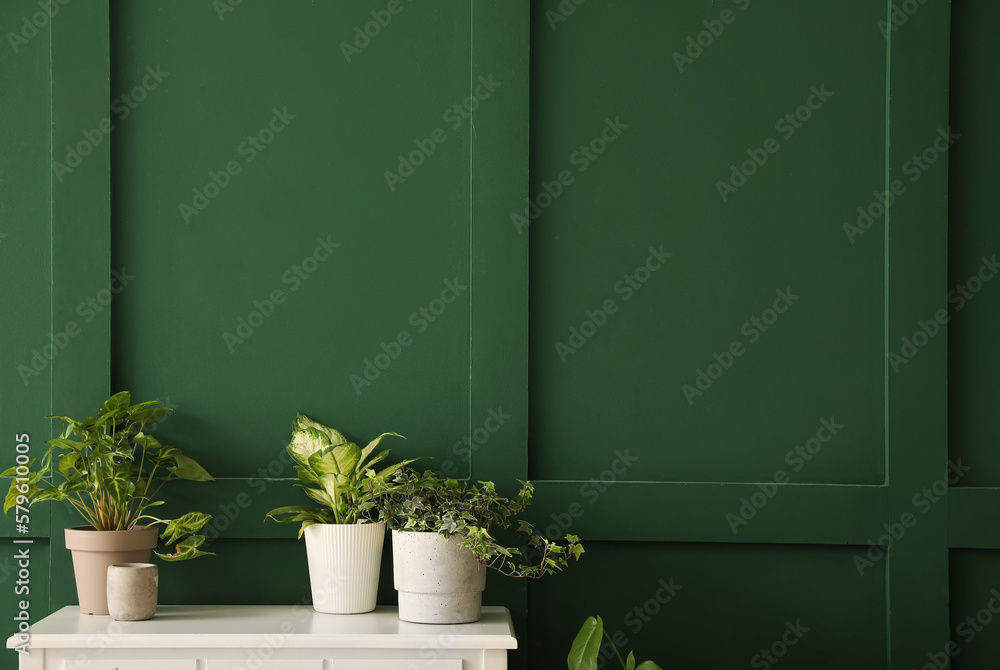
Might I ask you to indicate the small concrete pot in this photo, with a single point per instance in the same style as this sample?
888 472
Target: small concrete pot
132 591
438 580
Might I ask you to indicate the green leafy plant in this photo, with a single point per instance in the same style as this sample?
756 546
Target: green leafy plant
586 649
111 472
413 501
332 472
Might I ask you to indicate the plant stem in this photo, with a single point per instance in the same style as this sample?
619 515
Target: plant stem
617 653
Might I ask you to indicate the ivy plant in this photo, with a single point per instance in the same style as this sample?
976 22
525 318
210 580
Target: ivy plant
332 471
413 501
586 649
111 472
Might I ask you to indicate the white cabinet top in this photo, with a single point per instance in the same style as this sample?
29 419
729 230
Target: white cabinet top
288 626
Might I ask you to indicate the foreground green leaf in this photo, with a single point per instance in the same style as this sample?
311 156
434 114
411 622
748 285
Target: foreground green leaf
586 646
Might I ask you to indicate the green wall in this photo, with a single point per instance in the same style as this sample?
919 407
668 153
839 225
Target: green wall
692 339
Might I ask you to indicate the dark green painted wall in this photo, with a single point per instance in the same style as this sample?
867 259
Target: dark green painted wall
25 273
629 133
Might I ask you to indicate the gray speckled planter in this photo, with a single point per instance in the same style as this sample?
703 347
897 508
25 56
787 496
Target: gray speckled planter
438 580
132 591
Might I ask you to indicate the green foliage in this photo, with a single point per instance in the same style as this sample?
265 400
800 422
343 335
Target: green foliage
411 501
586 649
111 472
332 472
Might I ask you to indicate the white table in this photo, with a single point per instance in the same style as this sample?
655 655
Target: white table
264 637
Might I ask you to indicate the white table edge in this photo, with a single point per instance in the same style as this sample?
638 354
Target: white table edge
233 641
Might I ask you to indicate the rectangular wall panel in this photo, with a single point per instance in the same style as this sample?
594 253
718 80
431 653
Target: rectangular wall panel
694 293
973 295
280 255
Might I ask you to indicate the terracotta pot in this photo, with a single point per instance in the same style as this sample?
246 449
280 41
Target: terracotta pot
94 550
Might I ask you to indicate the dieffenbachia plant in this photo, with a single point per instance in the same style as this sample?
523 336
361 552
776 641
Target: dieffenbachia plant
111 472
332 471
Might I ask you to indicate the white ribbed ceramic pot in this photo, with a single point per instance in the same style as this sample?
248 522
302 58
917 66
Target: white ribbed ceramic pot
344 563
438 580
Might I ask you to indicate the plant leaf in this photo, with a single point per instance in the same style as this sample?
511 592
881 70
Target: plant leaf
295 510
119 487
186 549
393 469
189 524
333 435
69 445
51 493
319 495
648 665
346 457
305 475
115 403
188 468
362 465
586 645
145 414
147 441
10 501
630 661
68 463
306 442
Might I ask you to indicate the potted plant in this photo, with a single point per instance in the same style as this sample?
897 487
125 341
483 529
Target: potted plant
586 649
343 546
111 472
442 543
